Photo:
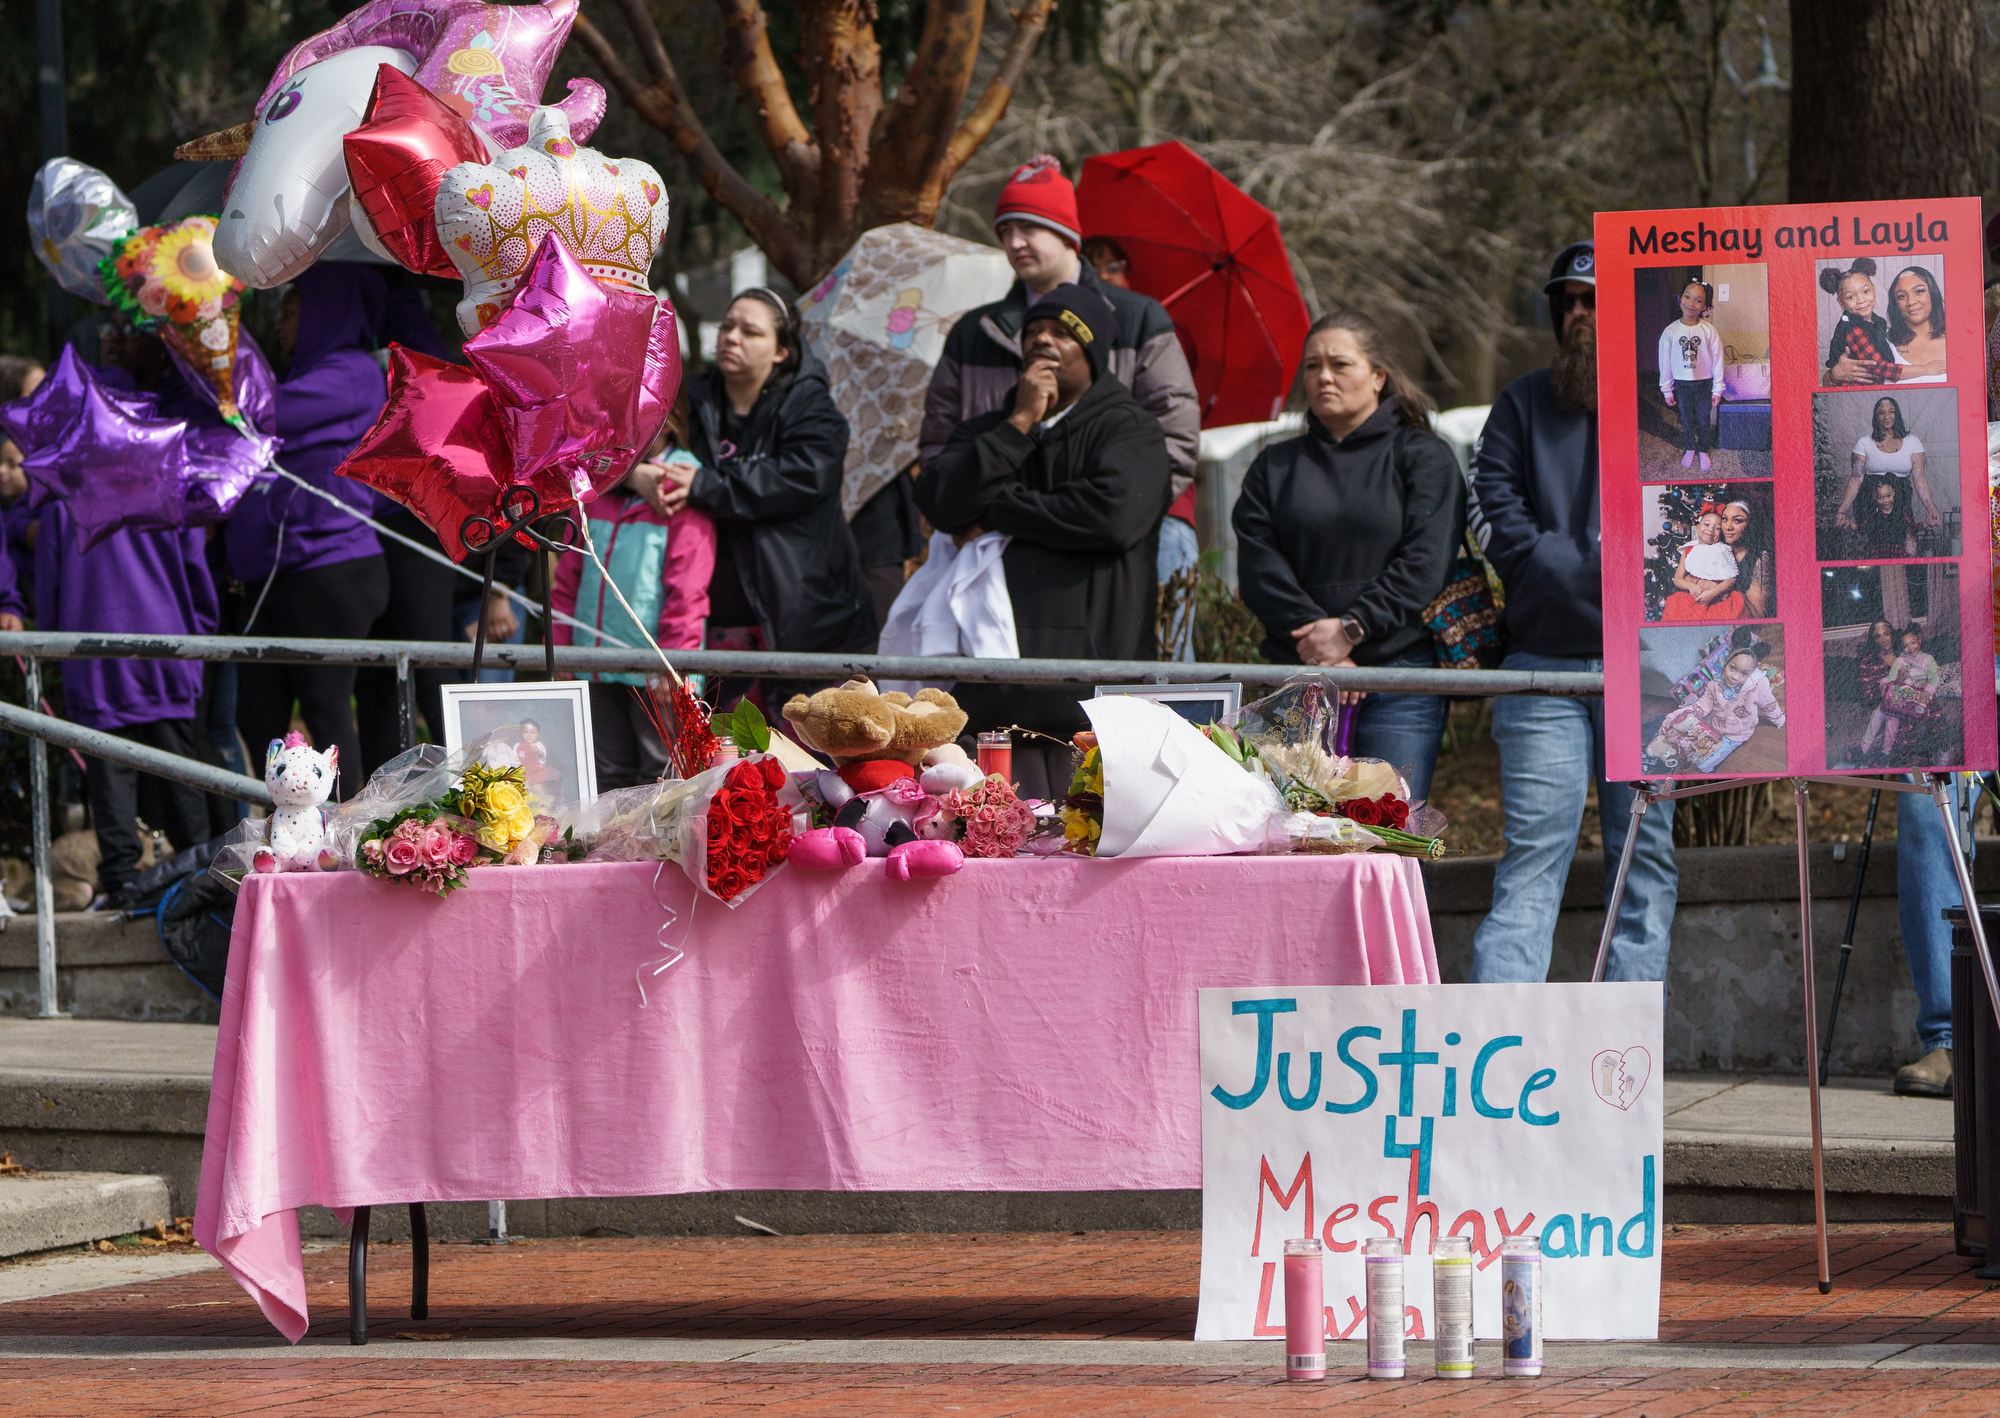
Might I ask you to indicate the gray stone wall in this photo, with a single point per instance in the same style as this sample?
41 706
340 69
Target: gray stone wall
1734 983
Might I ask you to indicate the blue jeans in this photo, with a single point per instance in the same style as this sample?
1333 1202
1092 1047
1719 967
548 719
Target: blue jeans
1549 750
1179 551
1403 729
1692 396
1927 886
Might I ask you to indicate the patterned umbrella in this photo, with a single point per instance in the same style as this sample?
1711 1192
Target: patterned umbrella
879 322
1213 255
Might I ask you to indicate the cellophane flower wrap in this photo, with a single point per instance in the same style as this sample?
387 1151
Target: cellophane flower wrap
994 822
1287 737
475 792
729 828
1168 791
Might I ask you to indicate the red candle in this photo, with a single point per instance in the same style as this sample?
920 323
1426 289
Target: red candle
996 755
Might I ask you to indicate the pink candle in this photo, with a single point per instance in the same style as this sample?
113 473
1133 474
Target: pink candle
1305 1310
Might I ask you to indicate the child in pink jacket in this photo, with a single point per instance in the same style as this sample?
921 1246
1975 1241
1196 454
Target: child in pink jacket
663 564
1703 732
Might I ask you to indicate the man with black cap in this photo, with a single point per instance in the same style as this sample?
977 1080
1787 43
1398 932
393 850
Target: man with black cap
1075 470
1535 476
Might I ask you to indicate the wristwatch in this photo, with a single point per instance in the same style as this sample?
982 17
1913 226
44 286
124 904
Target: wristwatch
1353 629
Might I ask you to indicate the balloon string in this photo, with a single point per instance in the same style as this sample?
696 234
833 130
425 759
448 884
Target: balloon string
591 549
675 954
441 559
277 560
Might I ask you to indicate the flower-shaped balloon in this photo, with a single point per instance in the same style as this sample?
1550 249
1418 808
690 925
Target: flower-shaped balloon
166 278
491 217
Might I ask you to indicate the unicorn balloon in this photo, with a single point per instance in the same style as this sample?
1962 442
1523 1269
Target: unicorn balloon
287 200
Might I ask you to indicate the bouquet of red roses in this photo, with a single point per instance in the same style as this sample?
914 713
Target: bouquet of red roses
729 827
746 832
1385 811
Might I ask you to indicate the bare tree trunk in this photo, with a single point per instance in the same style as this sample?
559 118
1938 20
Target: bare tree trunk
862 164
1885 99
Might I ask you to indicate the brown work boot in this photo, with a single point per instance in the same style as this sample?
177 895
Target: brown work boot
1928 1077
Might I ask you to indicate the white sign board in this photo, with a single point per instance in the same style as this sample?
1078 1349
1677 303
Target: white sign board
1423 1110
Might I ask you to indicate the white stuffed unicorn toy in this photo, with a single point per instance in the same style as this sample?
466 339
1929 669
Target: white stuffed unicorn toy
300 781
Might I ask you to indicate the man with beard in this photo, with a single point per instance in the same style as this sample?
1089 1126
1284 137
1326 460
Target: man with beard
1535 476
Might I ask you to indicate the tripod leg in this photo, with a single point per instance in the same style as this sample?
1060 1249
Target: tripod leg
1847 938
1639 801
1800 805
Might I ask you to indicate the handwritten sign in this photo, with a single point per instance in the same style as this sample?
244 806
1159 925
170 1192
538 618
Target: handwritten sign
1417 1111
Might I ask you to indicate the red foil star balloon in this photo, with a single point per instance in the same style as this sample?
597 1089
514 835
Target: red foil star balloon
407 141
439 447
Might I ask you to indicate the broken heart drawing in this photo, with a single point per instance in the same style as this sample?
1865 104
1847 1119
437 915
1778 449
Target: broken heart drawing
1619 1078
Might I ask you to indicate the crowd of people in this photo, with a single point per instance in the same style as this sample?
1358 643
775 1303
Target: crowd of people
1063 415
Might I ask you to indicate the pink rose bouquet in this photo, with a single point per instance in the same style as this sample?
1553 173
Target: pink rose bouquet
421 848
996 823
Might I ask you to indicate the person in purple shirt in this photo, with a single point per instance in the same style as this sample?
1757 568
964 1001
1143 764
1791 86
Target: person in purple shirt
421 591
317 570
132 582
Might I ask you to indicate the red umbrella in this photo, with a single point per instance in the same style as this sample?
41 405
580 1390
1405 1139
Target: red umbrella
1211 254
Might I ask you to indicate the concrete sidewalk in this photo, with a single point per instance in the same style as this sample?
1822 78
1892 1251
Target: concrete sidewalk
108 1096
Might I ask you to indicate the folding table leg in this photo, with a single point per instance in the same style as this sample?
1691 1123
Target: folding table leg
357 1278
420 1263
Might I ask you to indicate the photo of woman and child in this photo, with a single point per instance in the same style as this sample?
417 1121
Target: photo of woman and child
1893 697
1711 698
1704 350
1886 475
1711 557
1870 340
545 739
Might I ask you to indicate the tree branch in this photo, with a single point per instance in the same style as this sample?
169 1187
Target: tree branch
1029 22
839 50
914 132
664 104
746 49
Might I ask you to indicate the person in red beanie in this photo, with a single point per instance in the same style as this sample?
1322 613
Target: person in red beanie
1036 222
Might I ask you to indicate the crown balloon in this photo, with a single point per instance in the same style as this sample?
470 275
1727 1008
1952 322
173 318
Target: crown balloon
491 217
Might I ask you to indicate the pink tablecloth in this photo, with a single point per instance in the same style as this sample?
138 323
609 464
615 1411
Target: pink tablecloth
1021 1026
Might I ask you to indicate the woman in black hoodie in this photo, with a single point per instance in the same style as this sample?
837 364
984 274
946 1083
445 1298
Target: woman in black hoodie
772 445
1345 535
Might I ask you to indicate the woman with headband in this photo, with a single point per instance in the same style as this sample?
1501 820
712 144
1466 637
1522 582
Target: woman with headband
770 447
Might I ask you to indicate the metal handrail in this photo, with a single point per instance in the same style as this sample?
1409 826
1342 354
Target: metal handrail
33 647
943 669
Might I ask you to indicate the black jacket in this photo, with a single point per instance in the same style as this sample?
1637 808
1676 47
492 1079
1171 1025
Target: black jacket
1534 474
1363 526
982 363
776 505
1083 501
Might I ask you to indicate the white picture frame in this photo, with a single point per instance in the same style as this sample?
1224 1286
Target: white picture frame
1191 701
561 715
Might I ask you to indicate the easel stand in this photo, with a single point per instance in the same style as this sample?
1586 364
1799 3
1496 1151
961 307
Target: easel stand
1644 795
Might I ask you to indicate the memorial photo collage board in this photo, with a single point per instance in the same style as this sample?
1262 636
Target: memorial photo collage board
1793 505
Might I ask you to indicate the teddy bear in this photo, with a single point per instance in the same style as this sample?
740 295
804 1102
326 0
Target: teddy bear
299 780
882 804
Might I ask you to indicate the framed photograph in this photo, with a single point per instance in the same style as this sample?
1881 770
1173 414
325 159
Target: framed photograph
1197 703
554 744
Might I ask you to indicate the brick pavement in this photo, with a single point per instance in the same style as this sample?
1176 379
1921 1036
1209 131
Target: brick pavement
1733 1285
